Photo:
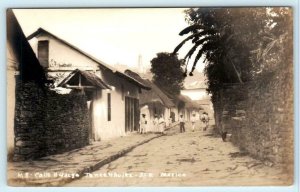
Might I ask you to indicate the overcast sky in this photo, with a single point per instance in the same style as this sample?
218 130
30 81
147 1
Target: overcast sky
111 35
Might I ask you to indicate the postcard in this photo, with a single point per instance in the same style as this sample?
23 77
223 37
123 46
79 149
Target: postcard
199 96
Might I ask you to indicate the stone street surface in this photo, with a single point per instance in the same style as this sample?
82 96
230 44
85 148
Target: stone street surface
184 159
56 170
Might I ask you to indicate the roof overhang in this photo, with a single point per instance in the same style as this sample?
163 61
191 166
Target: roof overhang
93 81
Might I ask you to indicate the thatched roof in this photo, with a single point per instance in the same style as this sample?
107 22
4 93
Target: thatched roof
166 100
149 97
87 79
188 102
134 75
133 80
184 101
153 95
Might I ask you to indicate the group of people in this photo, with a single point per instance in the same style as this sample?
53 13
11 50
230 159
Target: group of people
203 118
159 123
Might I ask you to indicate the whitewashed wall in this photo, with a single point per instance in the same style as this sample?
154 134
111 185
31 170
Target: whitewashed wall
195 94
63 60
116 127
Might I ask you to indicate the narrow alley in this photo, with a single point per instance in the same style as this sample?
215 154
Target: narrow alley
184 159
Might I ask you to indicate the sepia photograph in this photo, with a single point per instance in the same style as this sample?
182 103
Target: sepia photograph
150 97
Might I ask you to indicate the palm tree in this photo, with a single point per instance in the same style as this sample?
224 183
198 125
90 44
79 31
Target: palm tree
209 43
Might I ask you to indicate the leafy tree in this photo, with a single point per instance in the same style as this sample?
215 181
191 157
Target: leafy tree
232 41
167 72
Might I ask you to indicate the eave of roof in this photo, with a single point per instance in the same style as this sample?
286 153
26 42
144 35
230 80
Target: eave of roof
132 80
101 63
167 101
92 78
155 90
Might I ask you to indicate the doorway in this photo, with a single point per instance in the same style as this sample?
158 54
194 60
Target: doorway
132 114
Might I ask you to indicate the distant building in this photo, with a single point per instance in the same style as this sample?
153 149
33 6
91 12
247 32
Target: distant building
113 97
153 102
186 106
196 91
201 97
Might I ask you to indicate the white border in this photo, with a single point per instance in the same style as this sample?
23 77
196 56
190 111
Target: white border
4 4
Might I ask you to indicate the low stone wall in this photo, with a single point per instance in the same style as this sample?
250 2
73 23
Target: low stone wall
259 117
48 123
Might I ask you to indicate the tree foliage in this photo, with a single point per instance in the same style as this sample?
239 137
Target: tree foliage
167 72
238 44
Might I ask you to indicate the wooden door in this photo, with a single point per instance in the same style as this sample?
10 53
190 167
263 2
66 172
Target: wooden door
132 114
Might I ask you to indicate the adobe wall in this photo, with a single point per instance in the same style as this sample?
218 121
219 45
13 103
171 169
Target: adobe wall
48 123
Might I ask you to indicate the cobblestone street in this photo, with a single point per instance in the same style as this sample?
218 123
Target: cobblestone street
184 159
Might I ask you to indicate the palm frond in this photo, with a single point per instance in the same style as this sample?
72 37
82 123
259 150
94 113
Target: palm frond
209 32
208 46
195 38
183 42
190 29
197 44
191 52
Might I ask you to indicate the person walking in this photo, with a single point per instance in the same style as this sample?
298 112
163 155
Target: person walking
143 124
181 122
205 120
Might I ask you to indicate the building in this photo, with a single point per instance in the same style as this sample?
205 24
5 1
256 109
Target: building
22 66
187 107
197 92
154 102
113 97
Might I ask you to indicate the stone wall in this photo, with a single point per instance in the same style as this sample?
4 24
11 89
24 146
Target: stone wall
48 123
259 116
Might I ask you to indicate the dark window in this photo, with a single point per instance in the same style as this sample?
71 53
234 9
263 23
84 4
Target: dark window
43 53
108 107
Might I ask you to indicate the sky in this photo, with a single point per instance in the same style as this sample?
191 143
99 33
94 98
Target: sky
115 36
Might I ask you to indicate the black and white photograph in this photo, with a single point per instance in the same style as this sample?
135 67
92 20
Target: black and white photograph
150 97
